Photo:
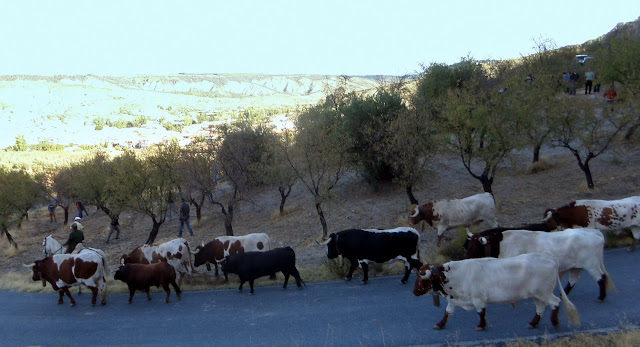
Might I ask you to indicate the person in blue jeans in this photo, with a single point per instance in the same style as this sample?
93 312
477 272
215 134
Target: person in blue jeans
184 217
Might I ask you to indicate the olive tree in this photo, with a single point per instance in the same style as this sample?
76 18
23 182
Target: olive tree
18 192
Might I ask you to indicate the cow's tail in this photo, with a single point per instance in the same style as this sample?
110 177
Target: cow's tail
572 311
609 281
189 265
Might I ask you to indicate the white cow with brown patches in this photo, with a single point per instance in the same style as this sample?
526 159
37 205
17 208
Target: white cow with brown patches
604 215
448 214
175 252
475 283
65 270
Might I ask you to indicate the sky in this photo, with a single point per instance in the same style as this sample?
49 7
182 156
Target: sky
325 37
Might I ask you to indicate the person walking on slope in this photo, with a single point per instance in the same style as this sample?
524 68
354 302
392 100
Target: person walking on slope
114 225
589 77
184 217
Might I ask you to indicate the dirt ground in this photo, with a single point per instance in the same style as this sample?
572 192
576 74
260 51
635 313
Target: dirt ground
520 197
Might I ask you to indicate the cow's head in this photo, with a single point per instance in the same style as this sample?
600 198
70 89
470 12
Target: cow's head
422 212
484 244
227 266
122 273
198 255
430 278
550 218
36 268
332 246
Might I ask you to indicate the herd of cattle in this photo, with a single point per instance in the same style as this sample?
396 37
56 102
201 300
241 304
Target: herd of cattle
502 265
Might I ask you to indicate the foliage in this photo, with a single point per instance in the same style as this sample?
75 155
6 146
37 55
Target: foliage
18 192
47 145
21 144
99 122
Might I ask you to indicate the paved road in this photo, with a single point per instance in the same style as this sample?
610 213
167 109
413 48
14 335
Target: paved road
384 312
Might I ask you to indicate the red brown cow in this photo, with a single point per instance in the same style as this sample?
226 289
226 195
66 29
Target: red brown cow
175 252
604 215
216 250
143 276
65 270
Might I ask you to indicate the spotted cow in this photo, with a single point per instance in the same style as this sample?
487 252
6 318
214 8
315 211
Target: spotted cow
604 215
216 250
175 252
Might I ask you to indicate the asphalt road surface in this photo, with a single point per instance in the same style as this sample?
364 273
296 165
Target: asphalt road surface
381 313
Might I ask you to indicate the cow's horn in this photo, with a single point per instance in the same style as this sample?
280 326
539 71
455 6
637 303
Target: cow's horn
416 213
426 276
325 242
196 251
121 261
483 240
202 243
29 265
547 215
470 234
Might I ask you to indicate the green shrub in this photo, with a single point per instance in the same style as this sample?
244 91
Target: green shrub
46 145
453 250
139 121
172 127
99 122
187 120
21 144
333 266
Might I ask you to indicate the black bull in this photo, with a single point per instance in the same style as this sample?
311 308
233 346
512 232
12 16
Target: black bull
381 246
251 265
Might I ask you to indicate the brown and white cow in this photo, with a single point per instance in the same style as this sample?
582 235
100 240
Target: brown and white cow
475 283
143 276
65 270
175 252
447 214
216 250
604 215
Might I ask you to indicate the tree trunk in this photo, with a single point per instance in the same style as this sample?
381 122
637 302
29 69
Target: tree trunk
587 174
283 198
5 231
154 232
228 221
322 220
412 198
536 153
198 205
66 215
486 183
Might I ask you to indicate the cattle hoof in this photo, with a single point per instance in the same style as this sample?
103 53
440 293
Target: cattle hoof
530 326
598 300
59 302
403 281
438 327
479 328
73 304
103 303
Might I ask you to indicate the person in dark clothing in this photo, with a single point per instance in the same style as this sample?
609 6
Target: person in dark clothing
114 225
184 217
574 78
76 236
81 208
52 210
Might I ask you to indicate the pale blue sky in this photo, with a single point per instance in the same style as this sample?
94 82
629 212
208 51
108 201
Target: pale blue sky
286 37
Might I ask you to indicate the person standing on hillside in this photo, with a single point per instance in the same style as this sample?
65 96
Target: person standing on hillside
589 77
114 225
81 208
184 218
574 78
52 210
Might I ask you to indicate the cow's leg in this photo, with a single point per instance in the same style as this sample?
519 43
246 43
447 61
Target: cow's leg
407 272
251 285
352 268
574 275
603 288
483 323
296 275
286 278
241 284
540 306
272 276
102 288
167 290
60 300
365 269
635 231
226 276
66 291
146 290
132 291
177 289
448 312
94 295
179 276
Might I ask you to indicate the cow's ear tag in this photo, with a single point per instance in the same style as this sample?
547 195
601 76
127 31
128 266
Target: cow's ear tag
436 299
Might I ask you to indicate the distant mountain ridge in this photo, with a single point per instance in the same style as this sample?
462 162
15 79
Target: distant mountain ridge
214 85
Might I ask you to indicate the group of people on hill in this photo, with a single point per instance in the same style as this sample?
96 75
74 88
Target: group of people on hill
571 82
76 234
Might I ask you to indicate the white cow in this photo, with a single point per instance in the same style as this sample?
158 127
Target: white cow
604 215
575 249
447 214
65 270
475 283
175 252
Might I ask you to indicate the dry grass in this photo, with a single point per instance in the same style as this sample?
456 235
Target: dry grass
539 166
628 338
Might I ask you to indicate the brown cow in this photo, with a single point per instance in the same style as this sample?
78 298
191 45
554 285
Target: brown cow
175 252
143 276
